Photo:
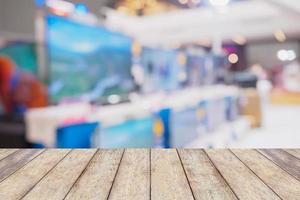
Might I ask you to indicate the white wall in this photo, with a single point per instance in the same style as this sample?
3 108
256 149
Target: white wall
17 18
1 13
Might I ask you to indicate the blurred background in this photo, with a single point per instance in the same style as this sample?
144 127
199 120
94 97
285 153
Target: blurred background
150 73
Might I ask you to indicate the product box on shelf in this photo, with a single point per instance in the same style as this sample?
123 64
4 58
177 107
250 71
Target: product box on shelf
184 125
251 107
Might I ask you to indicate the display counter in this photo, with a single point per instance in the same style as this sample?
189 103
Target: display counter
206 107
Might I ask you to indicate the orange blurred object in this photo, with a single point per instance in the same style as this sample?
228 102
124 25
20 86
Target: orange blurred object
19 89
284 97
252 107
7 68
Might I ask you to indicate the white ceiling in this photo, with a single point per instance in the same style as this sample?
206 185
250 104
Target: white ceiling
17 17
253 19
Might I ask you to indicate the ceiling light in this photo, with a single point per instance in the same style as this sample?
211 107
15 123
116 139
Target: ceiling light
196 1
291 55
233 58
282 55
219 2
183 1
139 4
122 9
286 55
280 36
240 40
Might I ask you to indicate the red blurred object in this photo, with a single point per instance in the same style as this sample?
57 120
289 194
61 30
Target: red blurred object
7 69
19 90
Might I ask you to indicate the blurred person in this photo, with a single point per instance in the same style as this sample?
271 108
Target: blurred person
276 76
259 71
19 90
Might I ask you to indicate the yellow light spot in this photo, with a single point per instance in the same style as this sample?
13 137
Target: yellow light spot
158 128
122 9
183 1
233 58
200 113
240 40
196 1
181 59
280 36
136 48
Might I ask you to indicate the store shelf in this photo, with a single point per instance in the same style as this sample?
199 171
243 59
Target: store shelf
42 123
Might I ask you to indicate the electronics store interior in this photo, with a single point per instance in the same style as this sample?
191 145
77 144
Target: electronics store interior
149 74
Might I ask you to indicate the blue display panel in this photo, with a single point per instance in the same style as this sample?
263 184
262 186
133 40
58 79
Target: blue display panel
135 133
23 54
185 126
195 70
161 69
88 61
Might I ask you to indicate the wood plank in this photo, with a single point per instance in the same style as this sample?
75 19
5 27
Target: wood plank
284 160
205 180
5 152
59 181
271 174
168 180
133 177
294 152
16 186
16 160
97 180
244 183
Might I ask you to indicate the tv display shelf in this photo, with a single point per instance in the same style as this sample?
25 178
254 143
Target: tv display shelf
149 174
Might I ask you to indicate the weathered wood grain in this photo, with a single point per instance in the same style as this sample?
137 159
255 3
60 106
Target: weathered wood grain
97 180
60 180
16 185
205 180
168 180
285 160
294 152
16 160
149 174
6 152
271 174
133 178
244 183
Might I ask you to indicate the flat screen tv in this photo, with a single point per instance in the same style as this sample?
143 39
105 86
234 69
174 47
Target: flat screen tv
86 61
23 54
161 69
195 70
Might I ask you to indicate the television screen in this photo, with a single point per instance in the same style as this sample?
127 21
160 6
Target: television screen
134 133
195 70
23 54
86 61
161 69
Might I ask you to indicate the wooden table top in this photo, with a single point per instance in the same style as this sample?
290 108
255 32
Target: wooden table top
149 174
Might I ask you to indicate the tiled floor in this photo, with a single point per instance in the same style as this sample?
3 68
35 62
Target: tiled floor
281 129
